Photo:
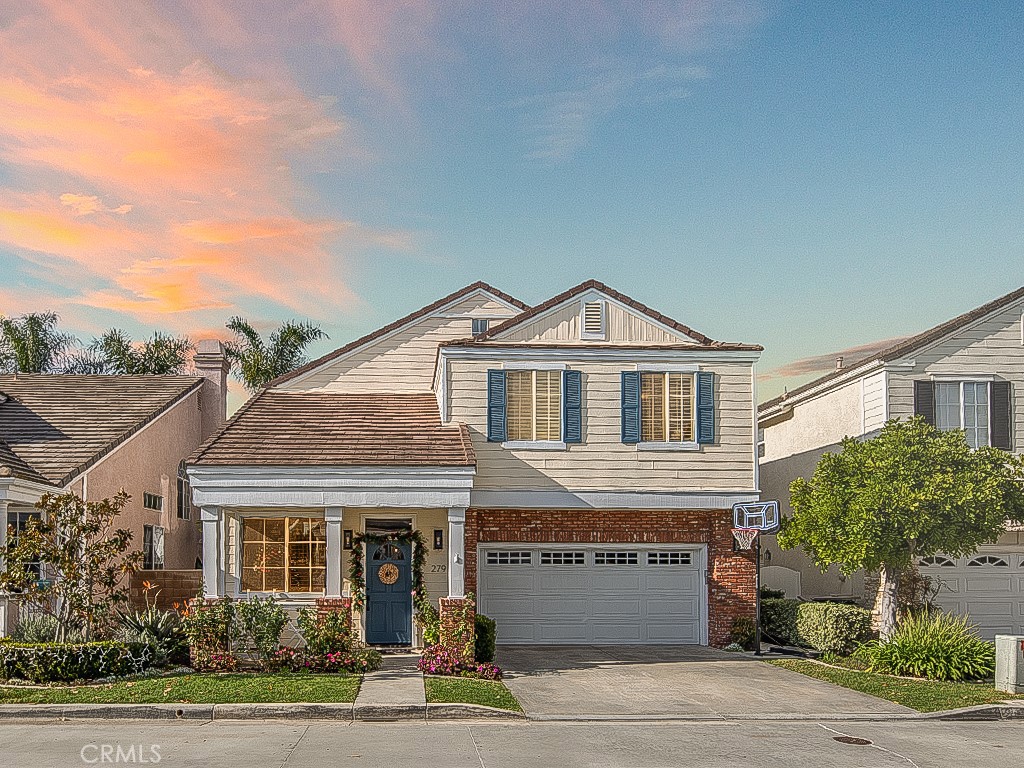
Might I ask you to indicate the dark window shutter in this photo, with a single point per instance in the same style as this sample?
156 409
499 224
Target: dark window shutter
705 407
572 406
631 407
924 400
1000 415
496 430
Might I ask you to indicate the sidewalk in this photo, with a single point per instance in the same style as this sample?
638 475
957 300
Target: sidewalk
394 692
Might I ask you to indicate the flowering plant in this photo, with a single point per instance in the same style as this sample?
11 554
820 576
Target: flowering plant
450 660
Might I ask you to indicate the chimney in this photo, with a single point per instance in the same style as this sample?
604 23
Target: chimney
839 363
211 363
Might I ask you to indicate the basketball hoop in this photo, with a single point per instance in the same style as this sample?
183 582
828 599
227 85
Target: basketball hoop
743 538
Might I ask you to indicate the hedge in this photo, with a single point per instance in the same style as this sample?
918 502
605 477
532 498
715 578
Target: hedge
835 627
486 636
67 662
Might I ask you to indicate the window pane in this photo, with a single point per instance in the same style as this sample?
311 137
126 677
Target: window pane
947 405
273 580
252 579
275 530
652 407
680 407
519 405
976 413
319 580
298 555
298 580
549 405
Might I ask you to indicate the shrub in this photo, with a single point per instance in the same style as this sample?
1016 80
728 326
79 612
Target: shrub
767 593
298 660
161 630
325 631
832 626
937 646
67 662
43 629
778 621
261 622
430 620
743 632
211 629
450 660
486 637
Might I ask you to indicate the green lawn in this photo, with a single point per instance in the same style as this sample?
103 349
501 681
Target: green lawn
922 695
197 689
466 690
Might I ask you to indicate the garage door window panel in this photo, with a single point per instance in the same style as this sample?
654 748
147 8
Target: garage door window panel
990 560
616 558
571 557
669 558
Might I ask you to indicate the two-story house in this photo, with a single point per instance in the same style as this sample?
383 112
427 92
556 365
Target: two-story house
967 373
97 435
573 464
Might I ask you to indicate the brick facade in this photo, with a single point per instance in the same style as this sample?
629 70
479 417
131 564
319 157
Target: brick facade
167 588
731 574
458 619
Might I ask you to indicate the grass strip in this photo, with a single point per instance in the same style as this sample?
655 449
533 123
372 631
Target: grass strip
467 690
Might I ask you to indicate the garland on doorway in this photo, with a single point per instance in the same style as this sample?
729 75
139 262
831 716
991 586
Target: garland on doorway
357 569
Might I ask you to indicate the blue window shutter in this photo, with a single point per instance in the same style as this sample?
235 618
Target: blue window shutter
705 407
631 406
572 406
496 430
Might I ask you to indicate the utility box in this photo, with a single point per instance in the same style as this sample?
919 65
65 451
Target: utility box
1010 663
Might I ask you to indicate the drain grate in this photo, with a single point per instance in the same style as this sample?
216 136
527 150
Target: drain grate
852 740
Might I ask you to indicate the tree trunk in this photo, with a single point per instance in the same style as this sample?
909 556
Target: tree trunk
886 602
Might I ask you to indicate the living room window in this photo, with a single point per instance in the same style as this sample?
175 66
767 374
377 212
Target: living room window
284 554
152 547
963 405
533 405
666 407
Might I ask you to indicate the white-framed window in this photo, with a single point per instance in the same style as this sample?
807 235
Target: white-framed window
964 405
18 521
669 558
284 554
616 558
152 547
571 557
480 325
152 501
666 407
184 498
533 405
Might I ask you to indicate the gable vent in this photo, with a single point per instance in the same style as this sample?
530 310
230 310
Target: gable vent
592 322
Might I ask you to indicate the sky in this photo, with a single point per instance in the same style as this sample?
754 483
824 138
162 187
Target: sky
815 177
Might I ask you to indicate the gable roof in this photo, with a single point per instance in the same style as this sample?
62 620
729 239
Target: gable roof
904 347
282 428
57 426
596 285
411 317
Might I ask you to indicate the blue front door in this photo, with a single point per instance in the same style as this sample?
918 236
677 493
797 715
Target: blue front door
388 594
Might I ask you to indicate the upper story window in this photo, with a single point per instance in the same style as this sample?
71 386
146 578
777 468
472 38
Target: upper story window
963 405
152 501
534 405
184 493
666 408
480 325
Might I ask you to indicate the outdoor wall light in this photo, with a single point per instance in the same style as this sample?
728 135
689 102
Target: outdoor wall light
438 538
346 539
766 556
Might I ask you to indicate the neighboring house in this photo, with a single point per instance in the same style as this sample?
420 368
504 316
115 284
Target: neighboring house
967 373
574 465
96 435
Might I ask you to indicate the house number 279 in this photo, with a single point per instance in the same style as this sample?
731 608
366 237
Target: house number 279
438 568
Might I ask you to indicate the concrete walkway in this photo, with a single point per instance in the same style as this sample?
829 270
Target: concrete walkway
394 692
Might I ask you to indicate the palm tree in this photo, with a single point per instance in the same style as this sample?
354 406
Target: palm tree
115 353
33 344
260 362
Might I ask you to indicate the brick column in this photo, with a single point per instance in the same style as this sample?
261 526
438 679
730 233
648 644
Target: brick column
325 605
458 617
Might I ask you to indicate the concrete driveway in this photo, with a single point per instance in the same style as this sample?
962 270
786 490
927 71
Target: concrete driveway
580 682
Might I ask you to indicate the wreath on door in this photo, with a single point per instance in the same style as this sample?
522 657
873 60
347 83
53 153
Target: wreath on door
357 567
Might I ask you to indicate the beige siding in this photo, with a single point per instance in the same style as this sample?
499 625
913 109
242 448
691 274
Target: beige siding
874 401
602 461
562 325
404 361
992 347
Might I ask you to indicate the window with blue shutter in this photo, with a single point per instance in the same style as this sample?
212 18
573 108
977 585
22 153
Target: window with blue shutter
496 429
572 406
631 407
705 407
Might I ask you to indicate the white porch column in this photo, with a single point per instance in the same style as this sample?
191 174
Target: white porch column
333 517
213 552
4 505
456 552
6 623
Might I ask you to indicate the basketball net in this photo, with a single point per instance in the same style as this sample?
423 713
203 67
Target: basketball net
744 537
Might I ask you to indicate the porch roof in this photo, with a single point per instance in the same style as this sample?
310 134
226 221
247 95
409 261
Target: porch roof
284 429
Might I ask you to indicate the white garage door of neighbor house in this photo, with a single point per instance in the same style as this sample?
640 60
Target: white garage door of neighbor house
553 593
987 586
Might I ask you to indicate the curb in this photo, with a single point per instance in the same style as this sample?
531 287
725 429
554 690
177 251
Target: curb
471 712
979 713
107 711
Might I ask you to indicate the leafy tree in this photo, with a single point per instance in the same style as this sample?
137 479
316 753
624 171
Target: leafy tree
913 491
84 560
32 343
258 362
115 353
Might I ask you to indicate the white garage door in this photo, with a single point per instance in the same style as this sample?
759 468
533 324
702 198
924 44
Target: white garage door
987 586
594 595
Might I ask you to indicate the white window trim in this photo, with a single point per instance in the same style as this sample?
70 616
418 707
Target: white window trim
601 335
686 446
668 368
961 380
527 366
541 445
534 445
954 378
667 445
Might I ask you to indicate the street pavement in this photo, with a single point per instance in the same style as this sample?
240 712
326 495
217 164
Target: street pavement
275 744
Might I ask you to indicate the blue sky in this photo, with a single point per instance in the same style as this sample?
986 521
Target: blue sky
812 177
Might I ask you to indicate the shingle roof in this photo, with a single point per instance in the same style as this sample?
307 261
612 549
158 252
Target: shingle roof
421 312
597 285
905 346
12 465
280 428
58 426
